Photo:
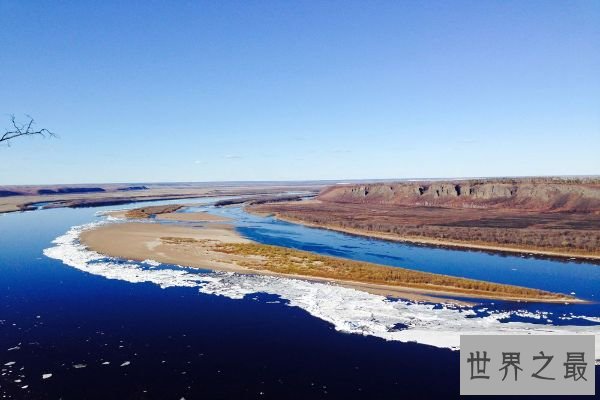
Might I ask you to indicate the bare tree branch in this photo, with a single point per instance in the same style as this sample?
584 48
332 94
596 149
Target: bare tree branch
23 129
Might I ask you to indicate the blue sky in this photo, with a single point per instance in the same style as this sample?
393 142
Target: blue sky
283 90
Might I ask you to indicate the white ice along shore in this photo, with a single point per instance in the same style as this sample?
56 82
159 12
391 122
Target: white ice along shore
349 310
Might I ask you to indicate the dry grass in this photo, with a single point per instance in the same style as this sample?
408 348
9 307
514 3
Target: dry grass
295 262
146 212
182 240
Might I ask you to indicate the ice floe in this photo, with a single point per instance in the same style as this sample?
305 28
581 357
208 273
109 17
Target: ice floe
151 263
348 310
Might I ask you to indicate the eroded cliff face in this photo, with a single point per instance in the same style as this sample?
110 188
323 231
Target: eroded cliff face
531 194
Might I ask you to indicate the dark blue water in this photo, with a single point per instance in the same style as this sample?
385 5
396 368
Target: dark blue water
181 343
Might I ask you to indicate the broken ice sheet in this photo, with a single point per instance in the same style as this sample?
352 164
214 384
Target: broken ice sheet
348 310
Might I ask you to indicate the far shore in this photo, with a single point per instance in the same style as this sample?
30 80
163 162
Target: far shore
429 241
217 246
32 197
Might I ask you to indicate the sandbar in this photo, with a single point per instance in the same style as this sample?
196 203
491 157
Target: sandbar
217 246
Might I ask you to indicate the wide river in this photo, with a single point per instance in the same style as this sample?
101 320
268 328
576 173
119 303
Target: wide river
75 325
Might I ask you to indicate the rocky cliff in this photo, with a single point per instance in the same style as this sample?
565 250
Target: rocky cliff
523 194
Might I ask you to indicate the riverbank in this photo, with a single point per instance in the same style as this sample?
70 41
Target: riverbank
295 213
217 246
31 197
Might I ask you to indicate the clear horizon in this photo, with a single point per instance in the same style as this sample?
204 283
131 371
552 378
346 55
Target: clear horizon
270 91
448 178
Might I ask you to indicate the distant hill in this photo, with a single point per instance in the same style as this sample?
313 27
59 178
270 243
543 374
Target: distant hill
45 190
67 190
6 193
534 194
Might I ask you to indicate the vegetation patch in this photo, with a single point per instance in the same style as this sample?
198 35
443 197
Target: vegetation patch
147 212
295 262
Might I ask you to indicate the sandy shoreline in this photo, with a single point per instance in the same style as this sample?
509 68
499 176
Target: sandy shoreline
433 242
190 217
142 242
194 247
171 216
